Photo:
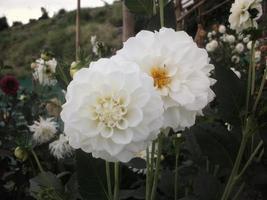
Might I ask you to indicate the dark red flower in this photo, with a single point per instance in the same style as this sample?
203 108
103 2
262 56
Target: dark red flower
9 85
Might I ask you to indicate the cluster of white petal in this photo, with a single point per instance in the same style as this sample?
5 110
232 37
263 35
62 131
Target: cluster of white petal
43 130
60 148
112 110
44 71
180 71
241 17
212 46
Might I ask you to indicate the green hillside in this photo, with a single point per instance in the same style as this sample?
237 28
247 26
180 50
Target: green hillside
20 45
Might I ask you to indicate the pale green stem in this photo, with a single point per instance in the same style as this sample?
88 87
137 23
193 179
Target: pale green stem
37 161
161 12
148 175
239 191
252 156
249 80
263 80
177 153
117 181
230 182
253 77
108 180
57 196
157 170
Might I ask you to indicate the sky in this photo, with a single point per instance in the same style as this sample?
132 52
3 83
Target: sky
23 10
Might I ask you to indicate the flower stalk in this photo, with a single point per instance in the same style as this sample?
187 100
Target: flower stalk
117 181
157 170
108 180
177 144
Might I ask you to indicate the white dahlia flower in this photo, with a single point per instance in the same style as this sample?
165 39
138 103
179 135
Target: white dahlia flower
112 110
43 130
222 29
244 14
212 46
180 71
230 39
44 71
239 47
237 73
235 59
60 148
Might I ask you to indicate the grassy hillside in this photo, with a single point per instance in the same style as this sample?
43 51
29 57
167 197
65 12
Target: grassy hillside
20 45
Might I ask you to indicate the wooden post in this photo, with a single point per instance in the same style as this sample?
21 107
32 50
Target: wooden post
178 14
78 30
128 23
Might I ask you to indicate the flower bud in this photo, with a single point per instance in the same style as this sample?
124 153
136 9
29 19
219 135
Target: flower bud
33 65
21 154
44 56
53 107
74 67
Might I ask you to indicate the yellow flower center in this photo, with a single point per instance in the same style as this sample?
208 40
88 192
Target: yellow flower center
160 76
110 111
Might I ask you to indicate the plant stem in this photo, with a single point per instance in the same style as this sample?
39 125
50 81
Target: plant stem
239 191
252 60
249 81
56 195
152 160
37 161
161 12
157 170
108 180
177 153
148 175
252 156
263 80
231 181
117 182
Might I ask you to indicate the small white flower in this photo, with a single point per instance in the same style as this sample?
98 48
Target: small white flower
94 44
209 35
180 71
239 47
222 29
44 71
235 59
112 110
240 37
246 39
249 44
230 39
237 73
43 130
241 17
257 56
214 33
60 148
212 46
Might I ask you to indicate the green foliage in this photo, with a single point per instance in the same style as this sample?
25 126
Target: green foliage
21 45
91 176
140 6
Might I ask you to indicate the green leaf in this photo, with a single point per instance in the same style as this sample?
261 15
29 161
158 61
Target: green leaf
215 142
230 94
144 7
44 184
91 177
206 186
